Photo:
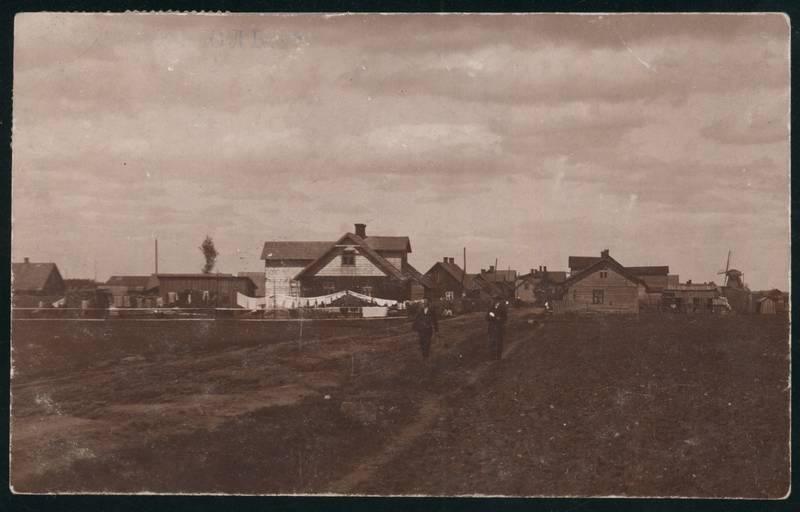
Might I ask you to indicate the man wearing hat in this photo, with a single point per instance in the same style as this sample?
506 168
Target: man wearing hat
496 318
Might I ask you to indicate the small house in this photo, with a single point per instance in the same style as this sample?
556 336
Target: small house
603 286
130 291
36 284
539 285
448 280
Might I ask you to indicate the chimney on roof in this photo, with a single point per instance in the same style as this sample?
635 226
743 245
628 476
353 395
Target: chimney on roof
361 230
545 269
604 253
446 260
491 268
483 271
27 260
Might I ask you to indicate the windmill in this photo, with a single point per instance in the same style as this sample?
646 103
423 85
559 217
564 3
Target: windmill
733 278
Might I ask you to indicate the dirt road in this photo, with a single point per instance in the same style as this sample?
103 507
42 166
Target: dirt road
668 405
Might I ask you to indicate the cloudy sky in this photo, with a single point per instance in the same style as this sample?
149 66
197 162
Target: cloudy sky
524 138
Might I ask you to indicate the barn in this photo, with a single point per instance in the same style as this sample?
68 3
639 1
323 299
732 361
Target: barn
200 290
603 286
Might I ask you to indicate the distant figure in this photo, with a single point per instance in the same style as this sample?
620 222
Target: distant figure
496 318
425 323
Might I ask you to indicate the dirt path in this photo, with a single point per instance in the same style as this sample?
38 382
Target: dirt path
429 410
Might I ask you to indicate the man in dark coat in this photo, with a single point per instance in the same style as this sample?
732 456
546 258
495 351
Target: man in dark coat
426 323
496 318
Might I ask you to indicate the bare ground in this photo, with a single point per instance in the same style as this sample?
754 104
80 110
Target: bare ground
659 406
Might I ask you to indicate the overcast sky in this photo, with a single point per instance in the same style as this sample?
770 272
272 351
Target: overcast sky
524 138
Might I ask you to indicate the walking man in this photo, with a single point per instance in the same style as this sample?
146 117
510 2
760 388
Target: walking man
426 323
496 318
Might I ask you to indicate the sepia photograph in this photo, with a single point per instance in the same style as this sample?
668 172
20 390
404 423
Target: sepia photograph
522 255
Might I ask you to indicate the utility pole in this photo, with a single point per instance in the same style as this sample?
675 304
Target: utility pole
156 255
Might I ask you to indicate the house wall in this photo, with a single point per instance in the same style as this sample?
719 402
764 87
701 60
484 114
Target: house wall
362 267
280 278
620 295
394 257
444 282
526 289
655 282
224 288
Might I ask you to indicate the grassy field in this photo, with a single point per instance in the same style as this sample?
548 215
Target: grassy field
663 405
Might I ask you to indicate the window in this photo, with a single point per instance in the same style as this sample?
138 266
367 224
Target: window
206 296
348 259
598 296
328 287
696 301
366 290
118 301
126 301
448 295
603 274
172 297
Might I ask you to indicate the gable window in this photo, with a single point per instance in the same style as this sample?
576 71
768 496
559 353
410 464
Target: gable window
348 258
598 296
603 274
366 290
448 295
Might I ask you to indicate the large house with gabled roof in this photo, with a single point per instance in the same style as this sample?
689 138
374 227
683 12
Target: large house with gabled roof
372 265
604 285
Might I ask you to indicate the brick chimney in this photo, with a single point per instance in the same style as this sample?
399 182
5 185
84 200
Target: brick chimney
446 260
27 260
361 230
604 253
491 268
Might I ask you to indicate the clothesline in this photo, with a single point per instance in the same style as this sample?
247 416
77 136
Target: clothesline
292 302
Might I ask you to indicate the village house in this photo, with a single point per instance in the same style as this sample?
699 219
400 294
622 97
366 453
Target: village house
199 290
376 266
539 285
36 284
690 296
771 302
602 286
656 278
449 281
130 291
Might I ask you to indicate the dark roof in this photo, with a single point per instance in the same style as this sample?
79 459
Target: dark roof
451 268
602 262
129 281
415 275
389 243
579 262
498 276
648 271
32 277
292 250
368 251
553 276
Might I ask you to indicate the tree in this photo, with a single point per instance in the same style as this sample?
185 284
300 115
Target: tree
209 253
